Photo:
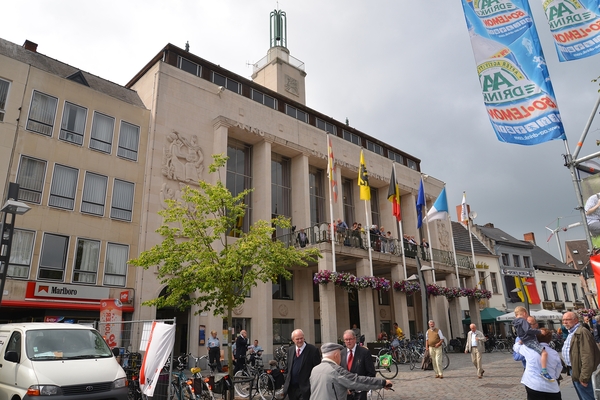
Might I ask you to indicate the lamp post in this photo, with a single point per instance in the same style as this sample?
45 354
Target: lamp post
10 209
424 296
517 290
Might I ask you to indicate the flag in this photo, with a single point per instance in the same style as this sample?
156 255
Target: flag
464 211
420 205
394 196
595 262
440 207
363 179
331 170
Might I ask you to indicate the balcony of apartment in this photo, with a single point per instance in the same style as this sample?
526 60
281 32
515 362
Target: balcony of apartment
352 245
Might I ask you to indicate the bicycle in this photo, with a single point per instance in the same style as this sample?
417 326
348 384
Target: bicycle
386 366
131 365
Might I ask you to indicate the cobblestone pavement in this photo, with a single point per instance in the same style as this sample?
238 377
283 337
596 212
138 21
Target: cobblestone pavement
501 380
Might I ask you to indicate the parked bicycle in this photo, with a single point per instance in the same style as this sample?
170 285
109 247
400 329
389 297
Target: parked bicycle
385 365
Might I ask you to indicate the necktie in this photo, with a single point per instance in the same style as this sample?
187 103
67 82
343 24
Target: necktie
297 353
350 358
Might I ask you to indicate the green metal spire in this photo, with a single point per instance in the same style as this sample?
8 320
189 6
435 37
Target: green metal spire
278 29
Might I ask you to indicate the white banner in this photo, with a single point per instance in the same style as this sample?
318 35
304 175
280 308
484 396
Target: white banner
160 345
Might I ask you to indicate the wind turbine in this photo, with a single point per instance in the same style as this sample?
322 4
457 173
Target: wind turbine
555 232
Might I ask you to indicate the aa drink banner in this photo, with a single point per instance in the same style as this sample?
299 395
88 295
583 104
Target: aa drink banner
575 27
514 79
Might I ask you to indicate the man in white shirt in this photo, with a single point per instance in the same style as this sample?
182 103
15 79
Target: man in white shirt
475 345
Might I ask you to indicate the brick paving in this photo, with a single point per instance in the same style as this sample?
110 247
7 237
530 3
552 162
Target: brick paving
501 380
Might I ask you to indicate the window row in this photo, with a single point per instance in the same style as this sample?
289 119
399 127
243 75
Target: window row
516 261
31 176
555 291
42 115
54 255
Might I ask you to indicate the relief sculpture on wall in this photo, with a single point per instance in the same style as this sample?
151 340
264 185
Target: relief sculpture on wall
182 158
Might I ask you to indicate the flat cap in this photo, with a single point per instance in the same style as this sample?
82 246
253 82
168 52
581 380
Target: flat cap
329 347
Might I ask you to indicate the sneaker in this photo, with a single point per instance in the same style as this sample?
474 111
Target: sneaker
546 376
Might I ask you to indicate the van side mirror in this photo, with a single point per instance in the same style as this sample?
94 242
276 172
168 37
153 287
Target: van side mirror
12 356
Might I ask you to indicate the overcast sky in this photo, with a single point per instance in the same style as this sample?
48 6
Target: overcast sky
401 71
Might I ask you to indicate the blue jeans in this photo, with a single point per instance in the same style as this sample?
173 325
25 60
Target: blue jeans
584 393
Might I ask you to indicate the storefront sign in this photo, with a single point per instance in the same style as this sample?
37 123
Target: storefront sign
111 310
514 272
69 292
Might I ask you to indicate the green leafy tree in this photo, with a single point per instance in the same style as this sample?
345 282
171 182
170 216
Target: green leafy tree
206 260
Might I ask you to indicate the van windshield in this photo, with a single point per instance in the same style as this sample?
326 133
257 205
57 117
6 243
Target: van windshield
53 344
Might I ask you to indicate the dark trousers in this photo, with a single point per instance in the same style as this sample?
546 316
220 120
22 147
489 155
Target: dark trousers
535 395
214 357
294 393
240 363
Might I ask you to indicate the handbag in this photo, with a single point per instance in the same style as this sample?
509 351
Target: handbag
427 363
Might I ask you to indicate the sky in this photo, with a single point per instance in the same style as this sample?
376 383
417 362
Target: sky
400 71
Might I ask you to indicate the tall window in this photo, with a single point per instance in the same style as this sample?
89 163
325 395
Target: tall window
64 186
115 265
505 259
317 195
239 324
482 283
493 278
555 290
575 294
282 330
239 176
283 289
228 83
351 137
348 201
281 189
73 123
42 113
545 291
375 215
20 254
31 179
102 132
516 260
565 291
86 261
383 297
129 139
94 194
527 261
122 200
296 113
4 86
326 126
53 257
264 99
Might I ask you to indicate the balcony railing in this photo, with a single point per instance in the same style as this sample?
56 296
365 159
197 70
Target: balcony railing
321 233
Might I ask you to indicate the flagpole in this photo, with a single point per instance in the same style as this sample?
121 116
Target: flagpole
401 240
330 172
471 240
454 249
369 238
429 236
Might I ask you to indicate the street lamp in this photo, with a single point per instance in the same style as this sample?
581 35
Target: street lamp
517 290
11 208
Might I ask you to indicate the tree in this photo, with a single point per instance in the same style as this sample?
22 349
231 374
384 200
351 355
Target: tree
201 261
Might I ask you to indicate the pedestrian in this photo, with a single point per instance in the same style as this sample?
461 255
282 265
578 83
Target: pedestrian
475 345
528 337
536 386
356 359
356 330
581 355
214 350
241 347
329 380
255 351
301 358
517 356
434 339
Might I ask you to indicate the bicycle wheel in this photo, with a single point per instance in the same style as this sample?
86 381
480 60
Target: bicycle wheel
388 372
241 383
266 386
402 356
445 360
413 360
500 346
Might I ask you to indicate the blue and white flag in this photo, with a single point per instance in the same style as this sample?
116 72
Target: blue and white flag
575 27
420 205
440 207
514 79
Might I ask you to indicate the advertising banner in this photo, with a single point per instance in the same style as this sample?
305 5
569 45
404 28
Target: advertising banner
575 27
159 347
111 311
514 79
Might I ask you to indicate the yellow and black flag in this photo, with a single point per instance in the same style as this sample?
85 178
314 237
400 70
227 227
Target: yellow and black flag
363 179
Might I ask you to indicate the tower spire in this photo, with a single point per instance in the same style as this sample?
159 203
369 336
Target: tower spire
278 29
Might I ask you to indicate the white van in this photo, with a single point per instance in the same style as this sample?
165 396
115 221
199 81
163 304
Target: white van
58 361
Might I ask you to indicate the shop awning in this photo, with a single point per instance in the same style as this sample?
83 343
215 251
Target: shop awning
488 316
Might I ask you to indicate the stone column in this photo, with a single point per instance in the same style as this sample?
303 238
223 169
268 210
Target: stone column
455 311
328 314
366 304
303 297
400 308
474 303
300 192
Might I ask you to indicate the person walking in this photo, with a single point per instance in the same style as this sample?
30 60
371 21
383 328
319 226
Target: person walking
214 350
329 380
475 345
581 355
301 358
356 359
434 339
241 347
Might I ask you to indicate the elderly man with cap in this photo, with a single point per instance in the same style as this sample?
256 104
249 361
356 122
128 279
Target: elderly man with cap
329 380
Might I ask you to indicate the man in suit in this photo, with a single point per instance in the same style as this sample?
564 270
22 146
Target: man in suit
241 347
475 345
356 359
301 359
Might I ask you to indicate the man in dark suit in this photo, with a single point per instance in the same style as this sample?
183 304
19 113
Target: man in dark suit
360 362
241 347
301 359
